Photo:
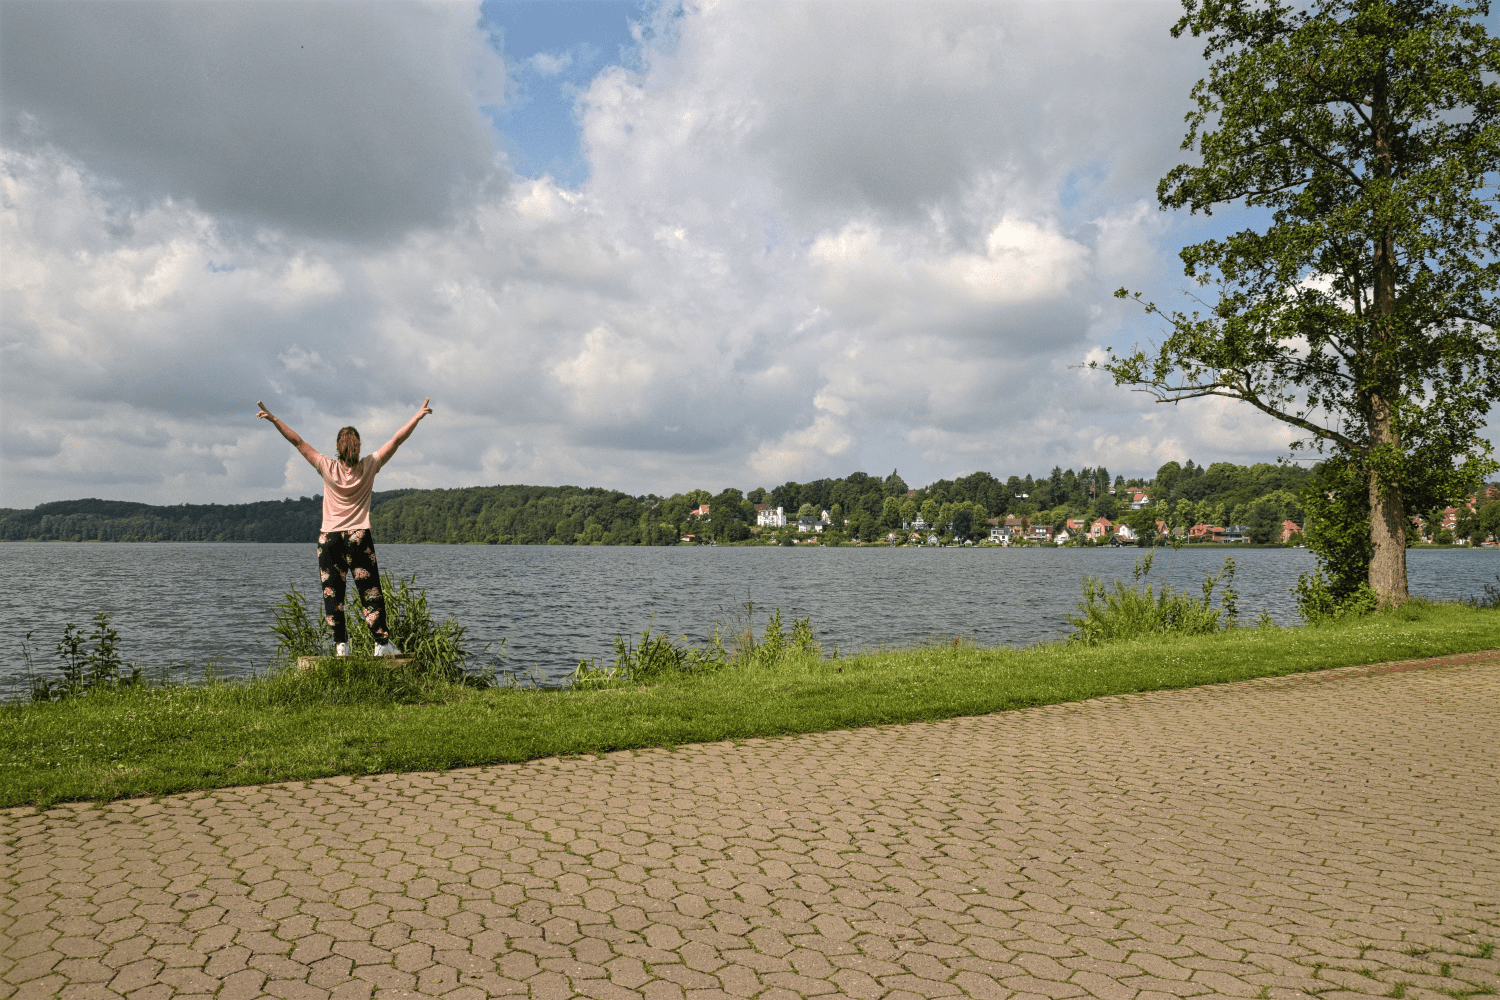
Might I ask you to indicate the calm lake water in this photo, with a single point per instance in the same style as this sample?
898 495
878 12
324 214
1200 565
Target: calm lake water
189 603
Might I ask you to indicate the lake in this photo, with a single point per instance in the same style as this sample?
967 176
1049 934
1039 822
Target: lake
188 603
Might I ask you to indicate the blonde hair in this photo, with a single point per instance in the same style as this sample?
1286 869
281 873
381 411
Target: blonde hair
348 446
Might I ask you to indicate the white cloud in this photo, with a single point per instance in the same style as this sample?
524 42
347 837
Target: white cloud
348 120
547 64
297 361
815 238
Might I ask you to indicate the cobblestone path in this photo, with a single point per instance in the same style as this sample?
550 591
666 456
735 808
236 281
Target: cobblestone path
1335 834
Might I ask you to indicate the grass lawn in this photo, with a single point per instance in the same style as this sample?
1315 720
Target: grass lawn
155 741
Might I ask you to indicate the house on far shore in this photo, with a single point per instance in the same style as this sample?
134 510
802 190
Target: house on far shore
701 512
1139 500
1288 529
1000 534
1162 529
1236 533
1063 537
1212 532
810 524
1125 532
1101 528
767 516
1075 526
1040 533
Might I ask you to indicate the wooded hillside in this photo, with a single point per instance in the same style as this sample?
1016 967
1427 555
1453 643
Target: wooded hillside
861 504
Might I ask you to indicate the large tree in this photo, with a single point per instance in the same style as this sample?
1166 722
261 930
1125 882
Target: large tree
1366 133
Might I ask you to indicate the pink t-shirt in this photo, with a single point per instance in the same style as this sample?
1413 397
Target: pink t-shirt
346 492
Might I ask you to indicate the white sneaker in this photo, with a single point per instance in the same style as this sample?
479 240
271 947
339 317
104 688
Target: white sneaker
342 649
386 649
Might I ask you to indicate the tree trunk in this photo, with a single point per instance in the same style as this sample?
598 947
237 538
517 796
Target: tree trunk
1387 519
1387 511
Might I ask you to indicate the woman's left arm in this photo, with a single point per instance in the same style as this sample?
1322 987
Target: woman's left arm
389 448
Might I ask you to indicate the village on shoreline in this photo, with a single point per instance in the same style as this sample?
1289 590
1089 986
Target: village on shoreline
1142 527
1222 503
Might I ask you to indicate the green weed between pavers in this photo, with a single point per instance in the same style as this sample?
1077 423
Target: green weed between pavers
141 740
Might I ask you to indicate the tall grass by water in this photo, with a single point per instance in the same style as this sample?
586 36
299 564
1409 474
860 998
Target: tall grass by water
1114 614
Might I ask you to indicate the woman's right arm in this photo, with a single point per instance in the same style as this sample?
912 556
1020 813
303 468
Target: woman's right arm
306 450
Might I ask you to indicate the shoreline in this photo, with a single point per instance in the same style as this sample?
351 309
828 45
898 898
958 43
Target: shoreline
294 727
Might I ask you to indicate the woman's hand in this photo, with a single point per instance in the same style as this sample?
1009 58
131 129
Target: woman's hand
425 410
307 450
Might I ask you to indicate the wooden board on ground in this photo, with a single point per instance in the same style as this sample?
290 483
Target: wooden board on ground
306 663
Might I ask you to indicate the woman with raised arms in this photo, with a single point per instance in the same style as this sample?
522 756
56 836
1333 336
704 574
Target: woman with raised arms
345 542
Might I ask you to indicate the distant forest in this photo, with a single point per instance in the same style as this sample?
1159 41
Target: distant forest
860 505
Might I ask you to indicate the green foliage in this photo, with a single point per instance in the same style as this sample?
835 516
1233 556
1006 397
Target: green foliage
1337 532
122 521
1114 614
803 643
1364 313
90 663
569 515
1320 602
653 659
658 657
533 515
1143 523
439 651
773 639
1264 522
299 629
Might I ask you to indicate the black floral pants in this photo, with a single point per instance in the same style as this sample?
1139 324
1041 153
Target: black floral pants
345 551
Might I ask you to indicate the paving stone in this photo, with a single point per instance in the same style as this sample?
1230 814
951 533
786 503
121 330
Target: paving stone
1332 834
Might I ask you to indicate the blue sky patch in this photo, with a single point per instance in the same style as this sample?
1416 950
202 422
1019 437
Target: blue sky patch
553 50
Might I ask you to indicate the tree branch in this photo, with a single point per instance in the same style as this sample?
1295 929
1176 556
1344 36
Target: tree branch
1166 393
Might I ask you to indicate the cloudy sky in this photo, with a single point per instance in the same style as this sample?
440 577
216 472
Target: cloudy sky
638 245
